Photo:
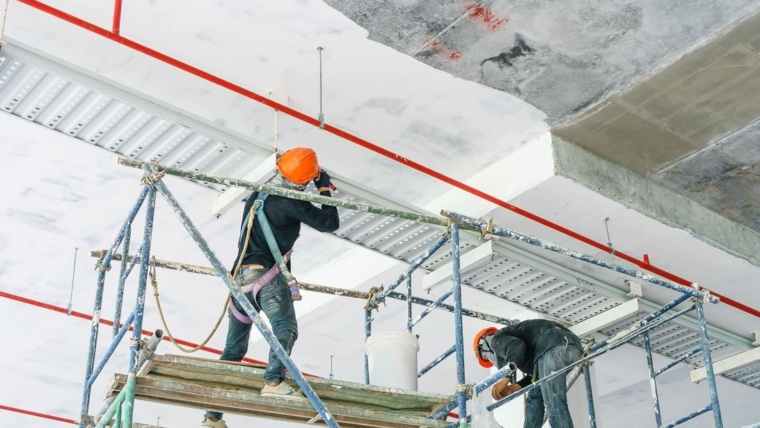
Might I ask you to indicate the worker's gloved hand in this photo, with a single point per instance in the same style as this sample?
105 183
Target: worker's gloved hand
323 180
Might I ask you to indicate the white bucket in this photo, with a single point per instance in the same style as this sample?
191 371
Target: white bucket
392 357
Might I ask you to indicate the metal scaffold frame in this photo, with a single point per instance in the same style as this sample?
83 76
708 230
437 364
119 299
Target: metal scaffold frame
121 406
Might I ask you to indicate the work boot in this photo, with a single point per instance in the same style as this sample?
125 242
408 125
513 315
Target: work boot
282 390
209 422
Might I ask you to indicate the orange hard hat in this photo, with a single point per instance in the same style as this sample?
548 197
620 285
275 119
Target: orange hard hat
476 345
299 165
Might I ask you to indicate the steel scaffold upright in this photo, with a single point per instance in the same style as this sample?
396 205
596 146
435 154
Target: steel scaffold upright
121 407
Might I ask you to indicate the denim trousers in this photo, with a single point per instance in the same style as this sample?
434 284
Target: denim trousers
553 393
274 299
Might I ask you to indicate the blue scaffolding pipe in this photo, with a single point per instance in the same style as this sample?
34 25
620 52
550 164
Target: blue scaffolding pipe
652 380
457 280
680 359
409 323
449 308
691 416
500 231
99 303
435 304
714 404
244 302
437 361
122 281
507 370
416 264
647 319
589 396
143 281
367 333
116 341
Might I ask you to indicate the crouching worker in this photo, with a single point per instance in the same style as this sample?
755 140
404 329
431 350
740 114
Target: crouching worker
270 227
538 348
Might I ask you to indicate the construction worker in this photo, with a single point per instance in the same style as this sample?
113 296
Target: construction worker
538 348
271 225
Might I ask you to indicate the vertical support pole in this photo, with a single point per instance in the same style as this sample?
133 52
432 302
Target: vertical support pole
709 365
367 333
409 304
589 396
652 380
122 281
117 419
85 409
128 407
457 279
142 285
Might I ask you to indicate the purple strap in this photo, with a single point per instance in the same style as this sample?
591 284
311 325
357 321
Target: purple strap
239 315
254 289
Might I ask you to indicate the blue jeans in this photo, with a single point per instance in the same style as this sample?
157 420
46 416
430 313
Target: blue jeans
552 393
274 299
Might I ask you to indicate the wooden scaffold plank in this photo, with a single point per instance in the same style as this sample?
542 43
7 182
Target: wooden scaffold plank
235 388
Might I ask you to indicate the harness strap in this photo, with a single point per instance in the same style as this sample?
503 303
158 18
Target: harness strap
254 289
295 294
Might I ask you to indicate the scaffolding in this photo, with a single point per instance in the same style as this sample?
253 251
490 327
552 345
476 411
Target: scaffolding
326 406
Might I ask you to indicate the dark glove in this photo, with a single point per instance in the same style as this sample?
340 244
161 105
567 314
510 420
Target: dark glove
323 180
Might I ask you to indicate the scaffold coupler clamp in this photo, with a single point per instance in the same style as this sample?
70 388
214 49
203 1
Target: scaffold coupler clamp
99 263
372 302
466 387
706 297
488 229
158 173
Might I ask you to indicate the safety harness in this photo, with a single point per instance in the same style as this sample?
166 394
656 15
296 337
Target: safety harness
280 267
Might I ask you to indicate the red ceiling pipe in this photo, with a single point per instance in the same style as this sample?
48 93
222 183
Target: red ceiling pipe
366 144
39 415
116 27
110 323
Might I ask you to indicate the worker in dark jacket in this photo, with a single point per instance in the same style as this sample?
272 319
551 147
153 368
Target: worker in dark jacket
538 348
258 270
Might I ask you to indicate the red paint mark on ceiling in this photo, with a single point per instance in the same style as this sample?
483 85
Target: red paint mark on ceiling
482 13
455 56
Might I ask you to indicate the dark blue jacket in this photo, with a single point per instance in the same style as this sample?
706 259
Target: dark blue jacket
524 342
285 216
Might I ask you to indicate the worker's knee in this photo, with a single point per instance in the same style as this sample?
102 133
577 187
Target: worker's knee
286 332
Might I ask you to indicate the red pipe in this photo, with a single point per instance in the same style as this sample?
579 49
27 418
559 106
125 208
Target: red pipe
366 144
39 415
116 17
110 323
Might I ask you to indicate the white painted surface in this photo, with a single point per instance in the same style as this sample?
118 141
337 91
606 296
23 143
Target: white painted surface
58 194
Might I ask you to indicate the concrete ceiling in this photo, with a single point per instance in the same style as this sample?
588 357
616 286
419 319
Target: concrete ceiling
652 106
574 62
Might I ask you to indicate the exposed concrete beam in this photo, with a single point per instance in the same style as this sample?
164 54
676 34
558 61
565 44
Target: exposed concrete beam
653 200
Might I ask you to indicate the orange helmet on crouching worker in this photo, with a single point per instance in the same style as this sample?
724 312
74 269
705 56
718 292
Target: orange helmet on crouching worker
299 165
476 345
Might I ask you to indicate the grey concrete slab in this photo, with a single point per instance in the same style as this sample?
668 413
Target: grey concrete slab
652 198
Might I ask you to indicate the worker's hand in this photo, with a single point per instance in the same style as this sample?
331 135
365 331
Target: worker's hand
503 389
323 180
